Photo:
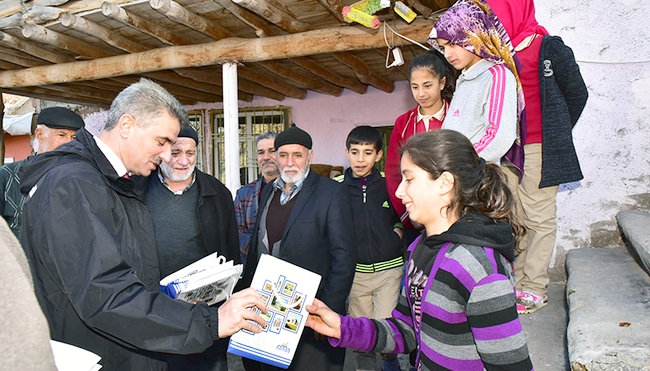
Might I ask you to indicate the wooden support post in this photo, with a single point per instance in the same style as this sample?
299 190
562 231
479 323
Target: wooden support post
231 126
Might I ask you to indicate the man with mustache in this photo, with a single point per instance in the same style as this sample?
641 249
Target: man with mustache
193 216
90 242
306 219
247 199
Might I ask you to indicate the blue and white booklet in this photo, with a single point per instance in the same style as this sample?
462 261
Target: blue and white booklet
210 279
286 289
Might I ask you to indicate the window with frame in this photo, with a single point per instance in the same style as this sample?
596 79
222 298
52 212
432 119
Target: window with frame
196 121
252 123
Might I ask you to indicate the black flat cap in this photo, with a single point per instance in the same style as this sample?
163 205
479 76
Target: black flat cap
293 135
59 118
189 132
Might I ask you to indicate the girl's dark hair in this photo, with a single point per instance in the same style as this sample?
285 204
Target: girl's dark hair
436 63
478 187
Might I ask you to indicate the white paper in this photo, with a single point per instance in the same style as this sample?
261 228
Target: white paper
71 358
286 289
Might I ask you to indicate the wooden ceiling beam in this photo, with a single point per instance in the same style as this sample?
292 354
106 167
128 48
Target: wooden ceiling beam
24 62
161 33
364 74
176 12
53 95
294 26
334 7
312 83
29 48
320 41
112 38
254 22
46 36
13 21
243 85
326 74
420 8
77 90
304 62
274 15
9 66
264 79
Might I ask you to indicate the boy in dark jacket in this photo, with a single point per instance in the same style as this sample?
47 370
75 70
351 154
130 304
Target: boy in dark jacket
378 273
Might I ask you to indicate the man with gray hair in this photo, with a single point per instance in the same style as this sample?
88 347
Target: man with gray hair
306 219
193 216
247 198
90 242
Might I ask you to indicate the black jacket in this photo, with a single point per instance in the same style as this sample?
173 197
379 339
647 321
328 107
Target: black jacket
319 236
216 214
374 219
90 243
563 96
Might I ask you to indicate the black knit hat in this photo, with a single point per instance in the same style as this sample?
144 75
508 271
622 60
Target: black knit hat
293 135
59 118
189 132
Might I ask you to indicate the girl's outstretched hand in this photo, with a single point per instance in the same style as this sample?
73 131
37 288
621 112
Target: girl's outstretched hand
323 320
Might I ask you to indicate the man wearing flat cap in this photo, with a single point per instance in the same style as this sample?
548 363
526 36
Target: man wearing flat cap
54 127
193 216
306 219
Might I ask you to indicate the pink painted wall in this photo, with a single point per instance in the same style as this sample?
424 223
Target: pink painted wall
329 119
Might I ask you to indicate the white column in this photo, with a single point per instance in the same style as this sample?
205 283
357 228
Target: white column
231 126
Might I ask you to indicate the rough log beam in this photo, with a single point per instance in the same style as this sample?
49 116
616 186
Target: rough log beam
232 49
12 21
48 94
244 85
163 35
179 14
312 83
69 91
334 7
270 82
274 15
33 13
20 61
260 26
113 11
304 62
363 72
47 36
176 12
420 8
29 48
294 26
9 66
316 68
114 39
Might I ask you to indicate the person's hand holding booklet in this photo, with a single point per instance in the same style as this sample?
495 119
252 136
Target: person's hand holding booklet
210 279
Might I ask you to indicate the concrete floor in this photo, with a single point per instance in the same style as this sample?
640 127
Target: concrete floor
545 332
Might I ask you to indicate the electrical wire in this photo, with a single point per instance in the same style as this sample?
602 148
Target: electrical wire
402 36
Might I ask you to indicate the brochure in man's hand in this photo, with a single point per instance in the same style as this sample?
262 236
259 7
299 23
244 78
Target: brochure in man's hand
286 289
210 279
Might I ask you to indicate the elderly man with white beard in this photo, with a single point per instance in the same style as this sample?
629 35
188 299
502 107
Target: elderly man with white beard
306 219
193 216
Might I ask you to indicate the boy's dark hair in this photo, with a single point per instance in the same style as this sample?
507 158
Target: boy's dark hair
365 135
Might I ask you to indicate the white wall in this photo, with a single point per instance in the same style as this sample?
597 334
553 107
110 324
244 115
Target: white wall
612 45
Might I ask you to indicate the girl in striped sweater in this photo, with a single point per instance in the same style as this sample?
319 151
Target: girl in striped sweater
458 306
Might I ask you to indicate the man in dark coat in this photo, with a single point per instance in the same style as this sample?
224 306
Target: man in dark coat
90 242
306 219
54 126
193 216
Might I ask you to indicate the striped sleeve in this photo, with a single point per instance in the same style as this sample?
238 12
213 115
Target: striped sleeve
501 118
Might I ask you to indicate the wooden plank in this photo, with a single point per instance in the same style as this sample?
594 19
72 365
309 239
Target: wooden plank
266 80
129 18
32 49
274 15
363 72
326 40
312 83
244 85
